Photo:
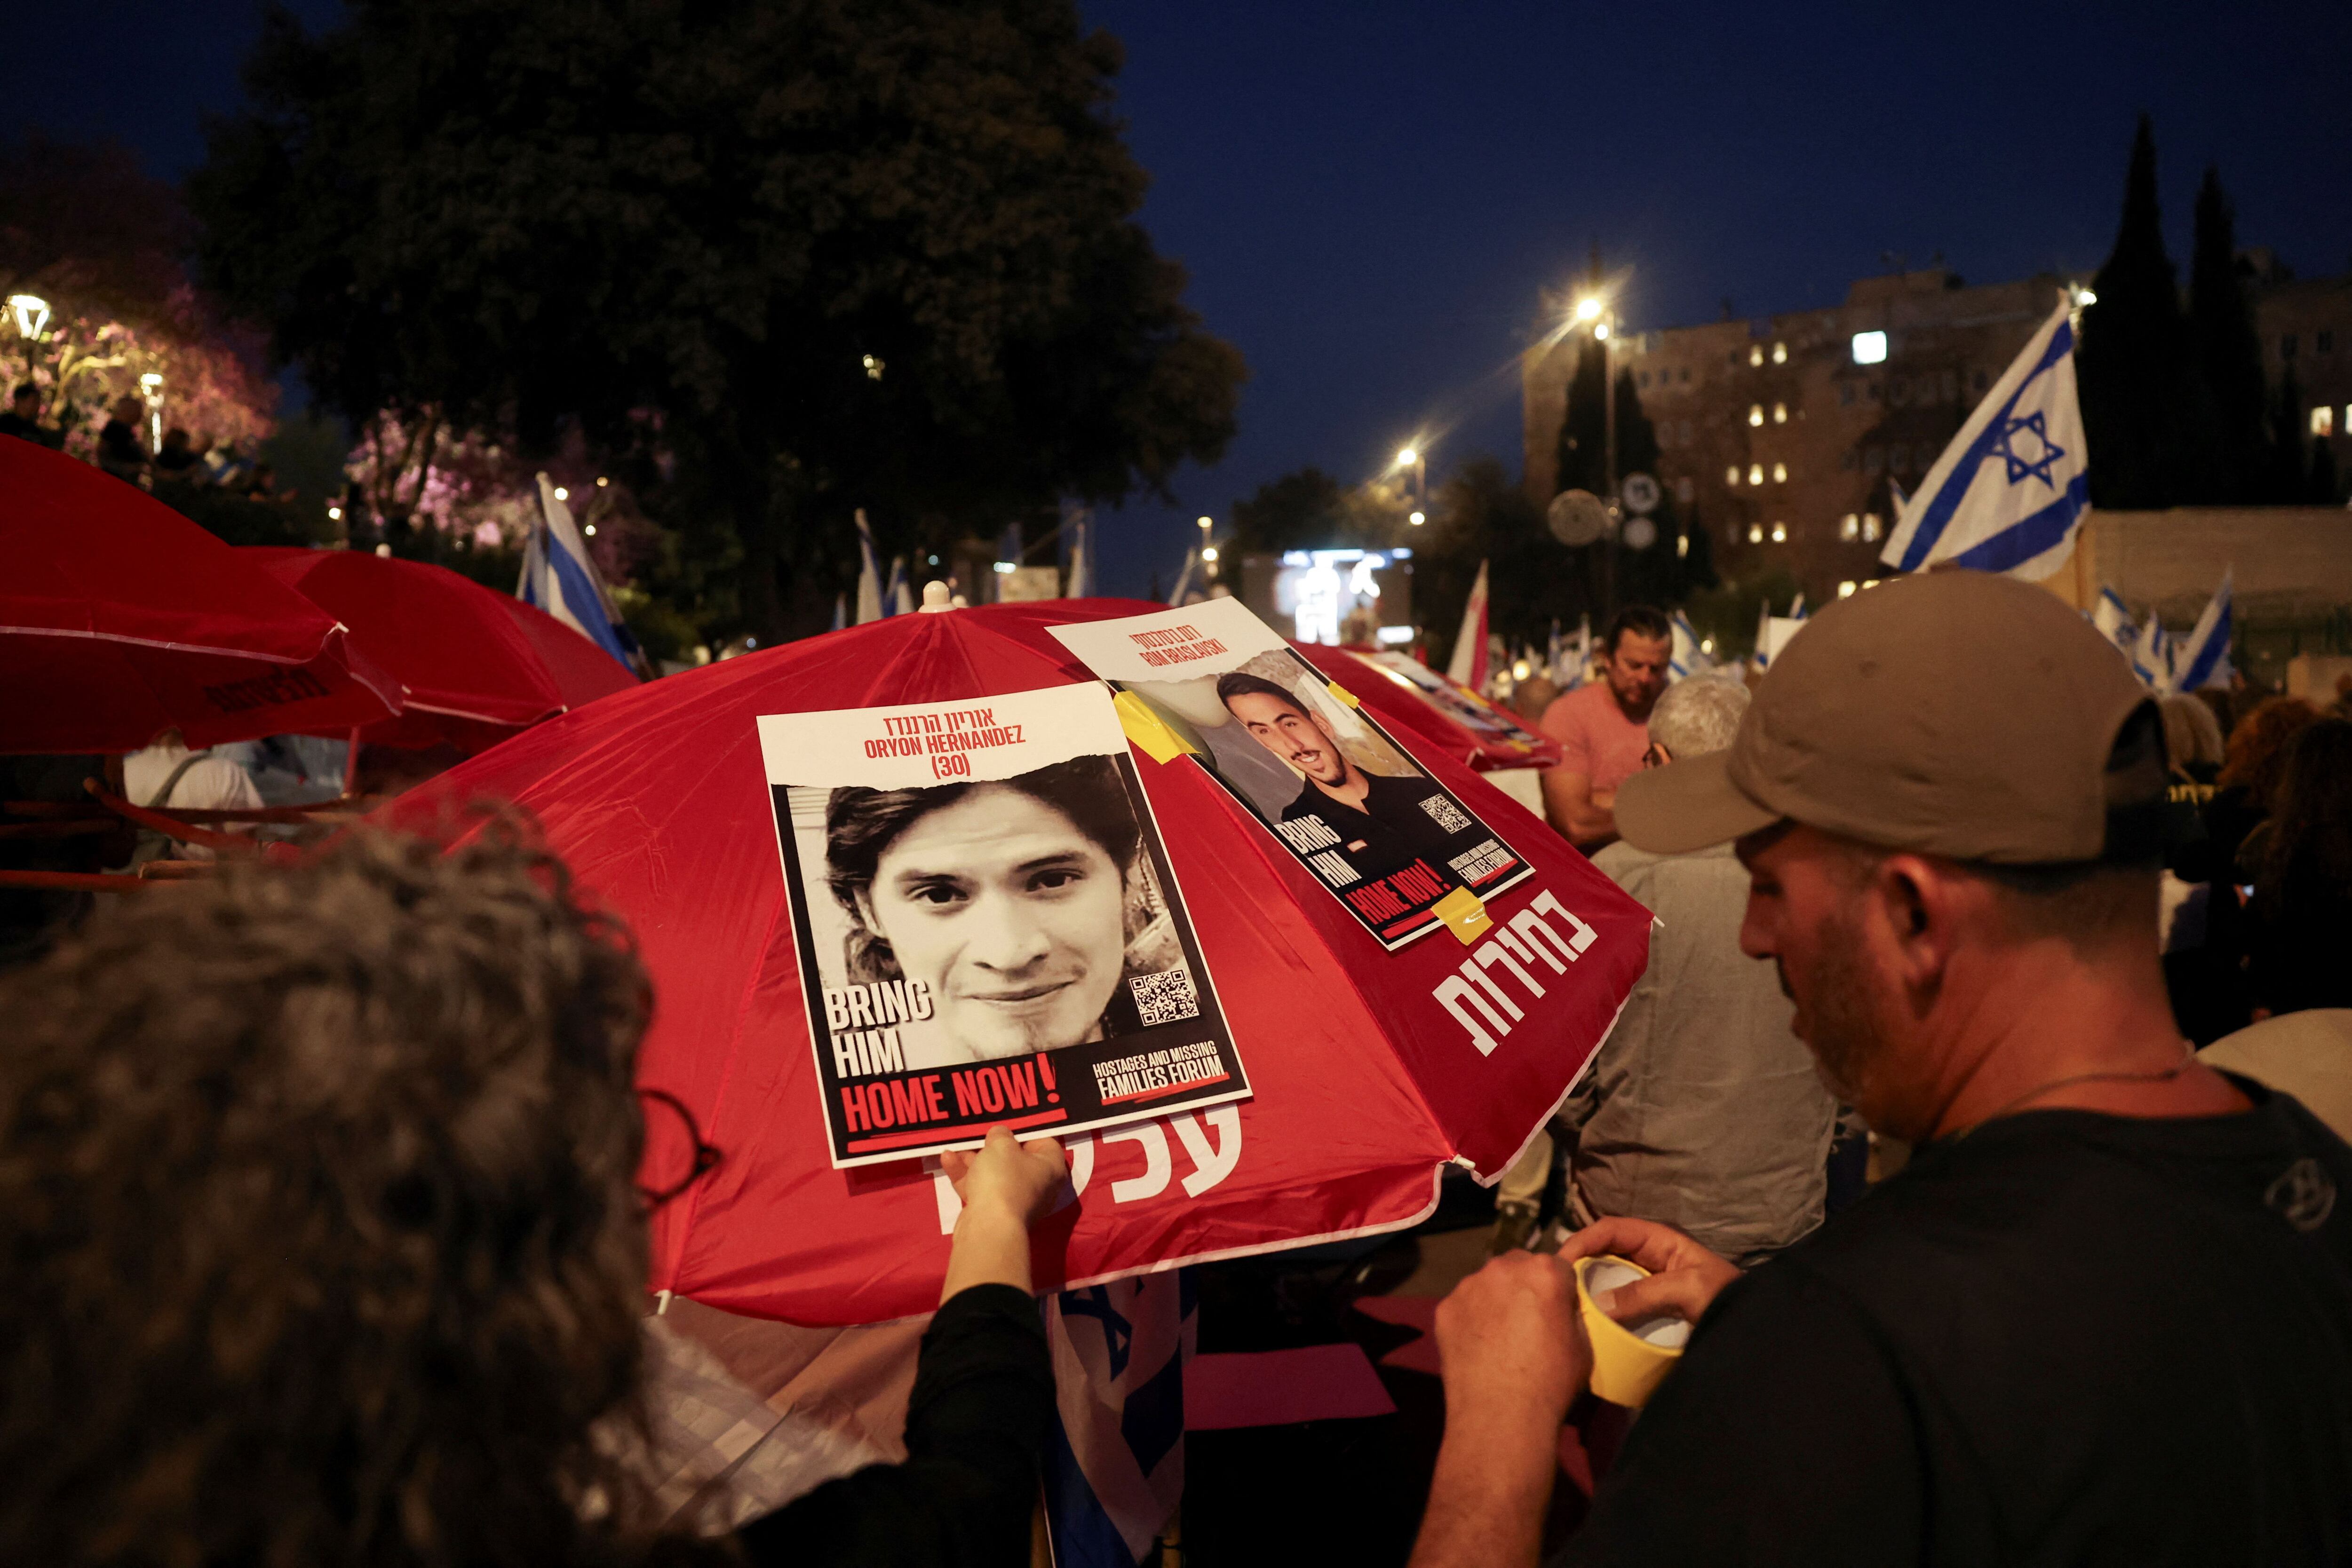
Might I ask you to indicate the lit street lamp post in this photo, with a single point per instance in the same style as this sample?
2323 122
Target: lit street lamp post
1414 458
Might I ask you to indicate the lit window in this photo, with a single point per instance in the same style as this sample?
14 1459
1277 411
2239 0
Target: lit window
1779 473
1756 533
2323 420
1731 476
1780 353
1845 589
1869 347
1755 414
1682 546
1779 533
1755 473
1779 414
1869 528
1850 526
1756 354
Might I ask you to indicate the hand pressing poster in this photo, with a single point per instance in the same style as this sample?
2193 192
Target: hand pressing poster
1334 789
988 929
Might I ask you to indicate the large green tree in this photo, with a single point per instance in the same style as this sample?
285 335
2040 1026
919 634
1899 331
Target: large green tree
787 257
2229 353
2148 416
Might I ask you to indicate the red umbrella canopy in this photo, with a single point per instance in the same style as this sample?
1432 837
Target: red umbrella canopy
478 665
121 619
1411 696
1364 1083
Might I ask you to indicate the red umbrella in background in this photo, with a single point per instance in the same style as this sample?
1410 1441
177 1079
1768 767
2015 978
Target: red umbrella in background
121 619
478 665
1456 720
1364 1086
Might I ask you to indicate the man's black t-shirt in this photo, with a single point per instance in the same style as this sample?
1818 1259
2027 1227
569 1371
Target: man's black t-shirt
1390 824
2064 1338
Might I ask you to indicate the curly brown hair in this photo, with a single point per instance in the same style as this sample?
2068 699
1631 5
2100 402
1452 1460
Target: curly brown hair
316 1202
2257 750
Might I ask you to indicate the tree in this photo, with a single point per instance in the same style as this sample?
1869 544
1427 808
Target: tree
1662 574
2229 353
2286 480
1309 509
2322 488
2146 414
774 260
84 229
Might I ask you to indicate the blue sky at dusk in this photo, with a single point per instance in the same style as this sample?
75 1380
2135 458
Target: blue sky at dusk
1372 199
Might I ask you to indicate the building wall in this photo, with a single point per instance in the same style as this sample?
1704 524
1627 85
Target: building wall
2286 562
2306 327
1783 443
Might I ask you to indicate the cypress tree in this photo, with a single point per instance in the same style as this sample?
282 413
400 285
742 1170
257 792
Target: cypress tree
2286 482
2145 411
2229 354
2321 488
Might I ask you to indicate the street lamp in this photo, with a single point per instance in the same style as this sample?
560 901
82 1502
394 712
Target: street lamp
1595 309
1412 456
151 387
1208 550
32 315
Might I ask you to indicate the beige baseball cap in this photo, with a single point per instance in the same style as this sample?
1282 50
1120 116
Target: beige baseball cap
1953 713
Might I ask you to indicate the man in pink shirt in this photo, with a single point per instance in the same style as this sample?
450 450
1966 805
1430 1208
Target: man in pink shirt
1603 727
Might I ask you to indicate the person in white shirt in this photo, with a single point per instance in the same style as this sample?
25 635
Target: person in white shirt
168 777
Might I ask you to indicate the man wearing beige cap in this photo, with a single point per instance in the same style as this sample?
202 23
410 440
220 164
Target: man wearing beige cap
2106 1315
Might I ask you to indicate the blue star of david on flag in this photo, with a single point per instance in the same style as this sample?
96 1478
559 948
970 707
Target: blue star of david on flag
2023 463
1975 508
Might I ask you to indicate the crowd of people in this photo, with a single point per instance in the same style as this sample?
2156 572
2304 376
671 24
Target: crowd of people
179 458
320 1183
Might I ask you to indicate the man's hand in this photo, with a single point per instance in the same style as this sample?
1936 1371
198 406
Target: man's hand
1514 1355
1684 1276
1006 1186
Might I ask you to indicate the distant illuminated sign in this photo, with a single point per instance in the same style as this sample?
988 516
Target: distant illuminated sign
1869 347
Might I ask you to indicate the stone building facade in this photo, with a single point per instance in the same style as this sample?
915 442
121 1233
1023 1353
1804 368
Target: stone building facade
1784 434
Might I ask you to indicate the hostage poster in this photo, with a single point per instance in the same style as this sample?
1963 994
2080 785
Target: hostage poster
988 929
1334 789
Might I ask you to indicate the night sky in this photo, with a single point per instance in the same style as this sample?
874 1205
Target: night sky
1372 199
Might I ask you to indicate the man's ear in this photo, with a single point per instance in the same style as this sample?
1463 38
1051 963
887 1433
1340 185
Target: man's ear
1915 901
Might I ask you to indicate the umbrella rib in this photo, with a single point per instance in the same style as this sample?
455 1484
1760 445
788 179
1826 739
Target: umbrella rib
178 647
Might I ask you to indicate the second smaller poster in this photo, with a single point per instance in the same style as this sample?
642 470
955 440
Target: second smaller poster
1389 842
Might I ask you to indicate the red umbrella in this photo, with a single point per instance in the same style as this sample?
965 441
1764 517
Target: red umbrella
478 665
1364 1080
1410 696
121 619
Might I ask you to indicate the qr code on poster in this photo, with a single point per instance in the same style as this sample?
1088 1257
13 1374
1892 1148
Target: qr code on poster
1449 817
1166 997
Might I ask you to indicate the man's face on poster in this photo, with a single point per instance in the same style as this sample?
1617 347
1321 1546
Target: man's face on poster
1012 914
1290 733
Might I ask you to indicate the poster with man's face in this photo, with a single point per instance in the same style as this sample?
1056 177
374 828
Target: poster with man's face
988 927
1335 789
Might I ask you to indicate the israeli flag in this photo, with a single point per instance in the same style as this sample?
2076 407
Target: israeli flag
1115 1459
1184 579
1764 635
1797 606
558 578
869 577
2204 658
899 599
2008 492
2112 617
2151 657
1686 659
840 612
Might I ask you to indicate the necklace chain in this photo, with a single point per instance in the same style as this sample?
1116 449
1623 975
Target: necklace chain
2164 1075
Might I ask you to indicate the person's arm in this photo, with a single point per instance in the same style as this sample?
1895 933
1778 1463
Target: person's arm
1513 1356
977 1420
1586 817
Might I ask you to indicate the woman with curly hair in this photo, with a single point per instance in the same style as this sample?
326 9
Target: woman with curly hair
323 1246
